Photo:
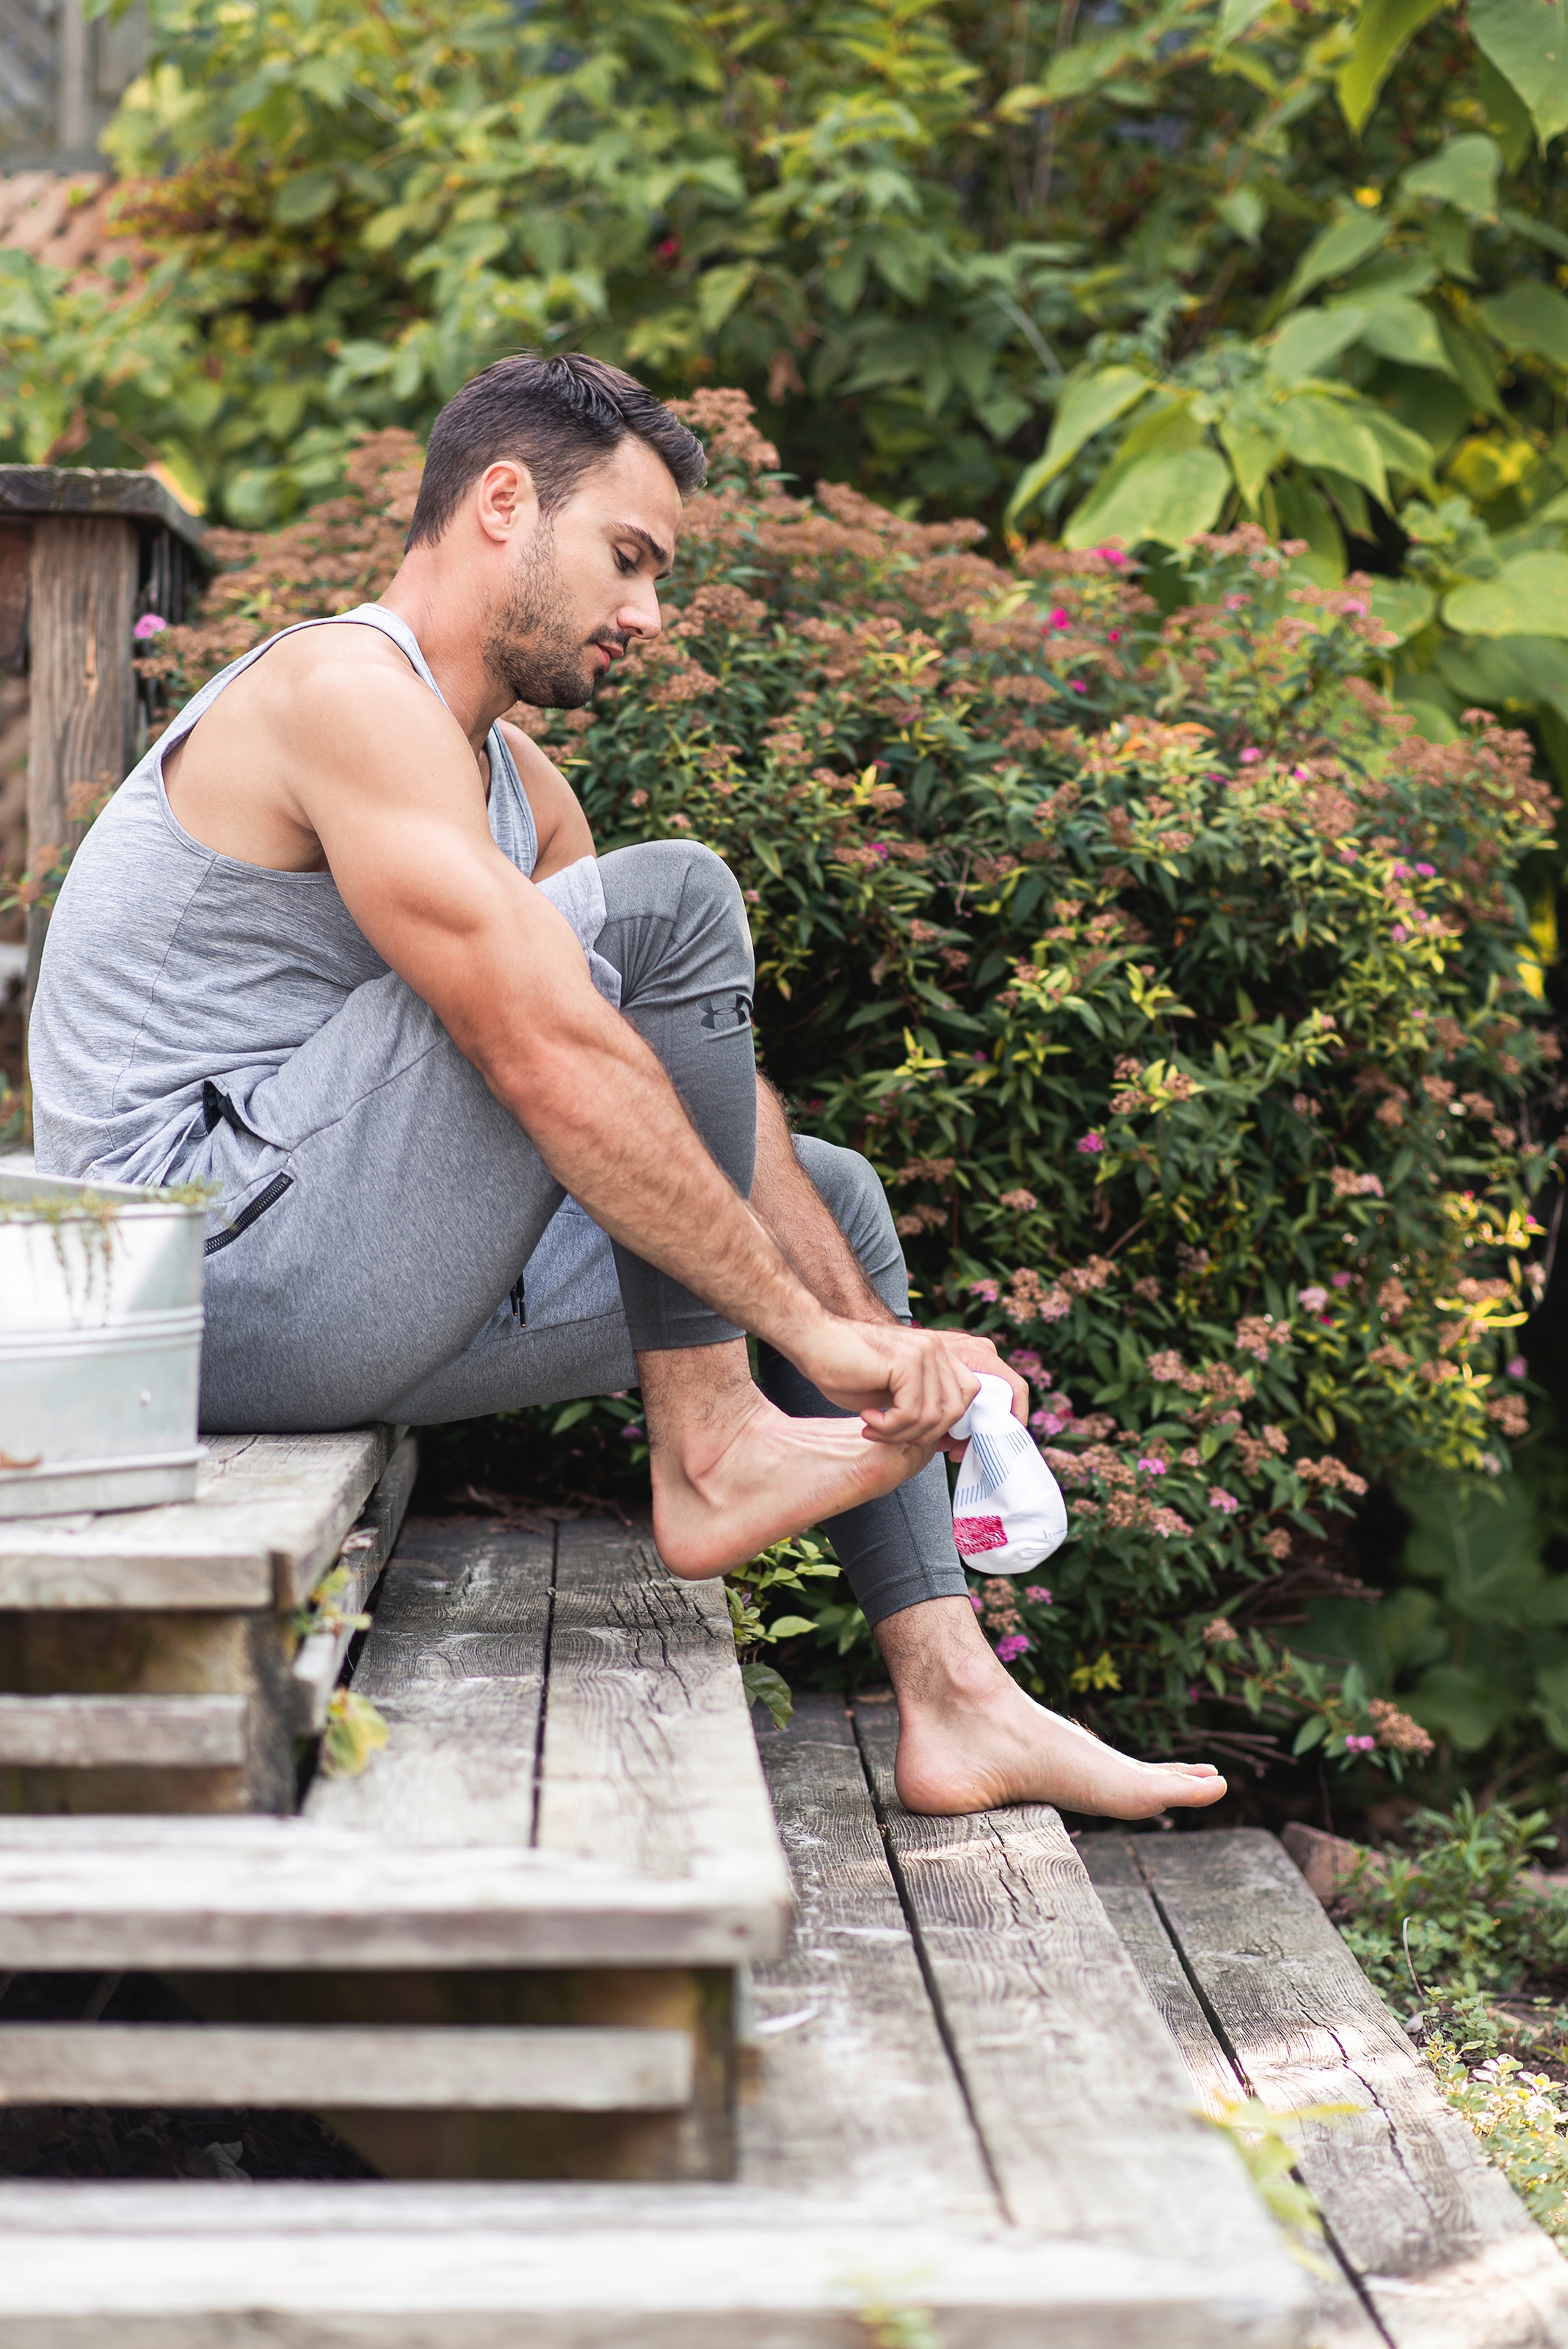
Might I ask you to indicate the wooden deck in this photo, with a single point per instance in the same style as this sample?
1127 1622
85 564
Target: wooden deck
970 2083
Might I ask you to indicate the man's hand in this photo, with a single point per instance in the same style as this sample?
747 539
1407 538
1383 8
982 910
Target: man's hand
980 1355
908 1385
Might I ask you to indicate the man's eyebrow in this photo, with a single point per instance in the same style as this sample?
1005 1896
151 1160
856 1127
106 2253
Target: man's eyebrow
661 554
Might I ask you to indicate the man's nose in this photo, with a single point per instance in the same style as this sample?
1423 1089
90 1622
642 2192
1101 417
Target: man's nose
640 616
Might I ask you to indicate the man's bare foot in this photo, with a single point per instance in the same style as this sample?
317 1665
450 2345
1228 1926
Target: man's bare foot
969 1739
751 1476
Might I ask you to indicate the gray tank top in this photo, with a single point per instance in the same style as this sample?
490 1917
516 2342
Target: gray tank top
168 966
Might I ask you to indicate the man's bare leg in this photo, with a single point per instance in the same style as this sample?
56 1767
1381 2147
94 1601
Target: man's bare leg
732 1473
969 1739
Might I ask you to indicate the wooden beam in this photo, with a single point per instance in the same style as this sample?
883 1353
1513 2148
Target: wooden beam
366 1549
97 1732
1449 2256
28 492
369 2066
83 692
155 1894
269 1513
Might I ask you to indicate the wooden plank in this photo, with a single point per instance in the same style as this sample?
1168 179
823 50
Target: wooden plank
268 1515
88 490
472 2069
84 1732
854 2092
1339 2320
1449 2257
649 1758
373 2266
176 1893
456 1662
365 1548
1083 2104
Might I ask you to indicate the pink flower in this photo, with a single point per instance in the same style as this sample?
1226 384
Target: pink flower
1152 1464
1400 872
1110 554
1059 616
1250 758
989 1291
1360 1746
1236 602
1491 1464
1076 685
150 624
1398 934
1352 605
975 1601
1037 1594
1517 1368
1010 1649
632 1432
1028 1365
1051 1423
1347 856
881 850
1341 1280
1426 872
1311 1300
1113 636
1090 1146
1226 1503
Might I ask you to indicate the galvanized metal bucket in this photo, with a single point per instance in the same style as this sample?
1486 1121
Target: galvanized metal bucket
100 1346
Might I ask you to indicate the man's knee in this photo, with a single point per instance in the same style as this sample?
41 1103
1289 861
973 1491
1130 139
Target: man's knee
851 1189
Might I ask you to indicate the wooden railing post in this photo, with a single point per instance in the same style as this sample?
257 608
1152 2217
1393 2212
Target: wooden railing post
101 547
82 709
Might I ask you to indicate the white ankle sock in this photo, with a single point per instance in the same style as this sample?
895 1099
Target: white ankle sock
1008 1510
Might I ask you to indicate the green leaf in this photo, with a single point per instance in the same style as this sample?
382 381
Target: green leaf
1529 598
1404 605
1329 432
1313 339
1313 1731
720 290
1167 498
1527 41
762 1685
1398 327
1462 1705
1530 317
1382 31
1464 174
1249 437
1235 15
1341 247
791 1627
1244 210
1088 403
1404 451
305 198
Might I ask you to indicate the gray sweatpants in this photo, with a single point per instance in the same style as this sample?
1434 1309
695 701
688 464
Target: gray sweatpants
401 1207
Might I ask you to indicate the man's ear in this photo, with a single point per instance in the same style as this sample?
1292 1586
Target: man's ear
505 501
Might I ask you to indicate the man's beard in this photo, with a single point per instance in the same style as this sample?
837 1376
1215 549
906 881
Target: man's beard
530 649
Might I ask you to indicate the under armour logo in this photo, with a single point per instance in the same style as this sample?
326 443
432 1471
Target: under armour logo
726 1015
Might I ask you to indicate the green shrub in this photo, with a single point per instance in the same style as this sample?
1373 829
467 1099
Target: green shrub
1172 983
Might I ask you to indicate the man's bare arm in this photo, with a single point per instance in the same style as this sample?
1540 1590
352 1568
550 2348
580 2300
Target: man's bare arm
391 788
558 820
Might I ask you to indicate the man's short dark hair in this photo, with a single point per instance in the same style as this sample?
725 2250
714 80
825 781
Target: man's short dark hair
560 417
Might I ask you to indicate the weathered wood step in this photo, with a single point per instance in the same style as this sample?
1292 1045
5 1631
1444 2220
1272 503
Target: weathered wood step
1263 1997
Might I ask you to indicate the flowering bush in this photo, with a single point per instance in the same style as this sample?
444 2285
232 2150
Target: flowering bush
1170 980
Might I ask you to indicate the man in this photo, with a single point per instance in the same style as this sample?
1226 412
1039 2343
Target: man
341 945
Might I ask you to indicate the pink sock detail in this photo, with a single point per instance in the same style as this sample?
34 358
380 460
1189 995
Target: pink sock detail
973 1535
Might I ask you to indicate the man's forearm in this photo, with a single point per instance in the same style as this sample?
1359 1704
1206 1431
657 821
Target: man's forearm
605 1118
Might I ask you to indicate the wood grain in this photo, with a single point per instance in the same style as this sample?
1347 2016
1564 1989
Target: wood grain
268 1515
649 1758
170 1733
855 2093
374 2266
364 1551
1339 2319
1084 2106
467 2070
1449 2256
171 1893
456 1662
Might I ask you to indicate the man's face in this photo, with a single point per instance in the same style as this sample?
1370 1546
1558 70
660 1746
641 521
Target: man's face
583 581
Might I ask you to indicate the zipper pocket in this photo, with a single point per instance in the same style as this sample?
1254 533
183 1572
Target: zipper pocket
265 1199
